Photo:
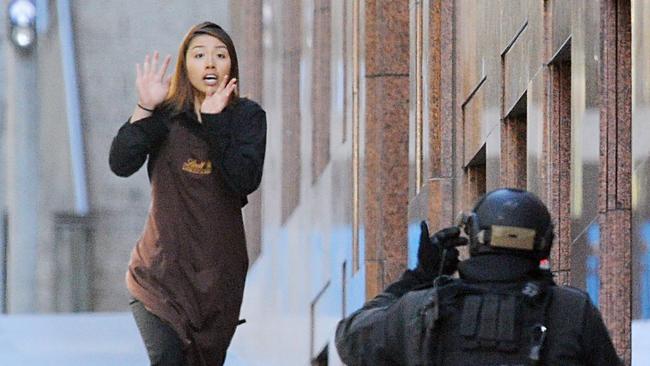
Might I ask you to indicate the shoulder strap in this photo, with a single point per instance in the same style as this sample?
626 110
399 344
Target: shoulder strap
537 295
444 288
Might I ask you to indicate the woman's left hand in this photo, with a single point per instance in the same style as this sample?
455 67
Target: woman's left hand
217 98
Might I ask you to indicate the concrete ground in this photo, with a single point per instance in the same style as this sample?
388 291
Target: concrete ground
110 339
80 339
93 339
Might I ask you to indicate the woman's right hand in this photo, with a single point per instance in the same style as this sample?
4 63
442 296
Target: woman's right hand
151 82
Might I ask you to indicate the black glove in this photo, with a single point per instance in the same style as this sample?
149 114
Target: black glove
431 249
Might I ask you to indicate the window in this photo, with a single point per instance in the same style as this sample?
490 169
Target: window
475 178
560 164
513 146
417 132
317 308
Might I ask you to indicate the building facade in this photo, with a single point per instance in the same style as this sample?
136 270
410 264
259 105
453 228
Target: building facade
385 113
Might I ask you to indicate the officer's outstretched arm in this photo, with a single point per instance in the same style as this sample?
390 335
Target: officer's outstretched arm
373 334
360 338
386 330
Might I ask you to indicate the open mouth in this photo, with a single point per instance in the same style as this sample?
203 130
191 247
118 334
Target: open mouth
210 79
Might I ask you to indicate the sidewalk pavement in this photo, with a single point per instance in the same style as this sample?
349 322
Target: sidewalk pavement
112 339
89 339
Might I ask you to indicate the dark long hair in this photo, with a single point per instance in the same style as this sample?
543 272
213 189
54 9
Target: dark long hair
181 92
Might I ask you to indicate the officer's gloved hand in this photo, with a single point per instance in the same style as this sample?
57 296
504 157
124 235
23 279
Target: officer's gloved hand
431 249
429 258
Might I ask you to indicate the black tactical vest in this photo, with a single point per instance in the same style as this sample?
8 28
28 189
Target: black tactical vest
487 324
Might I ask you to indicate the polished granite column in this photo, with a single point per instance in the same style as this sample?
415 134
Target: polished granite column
440 183
387 126
615 199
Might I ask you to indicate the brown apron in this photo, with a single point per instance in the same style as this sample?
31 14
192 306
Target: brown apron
190 264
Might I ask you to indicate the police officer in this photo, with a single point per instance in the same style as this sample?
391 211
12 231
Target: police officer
502 310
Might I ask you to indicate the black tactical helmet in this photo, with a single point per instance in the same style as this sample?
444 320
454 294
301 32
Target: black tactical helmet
510 220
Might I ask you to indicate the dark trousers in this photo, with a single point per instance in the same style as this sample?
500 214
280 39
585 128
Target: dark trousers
162 342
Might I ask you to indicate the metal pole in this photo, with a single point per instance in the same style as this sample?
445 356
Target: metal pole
72 107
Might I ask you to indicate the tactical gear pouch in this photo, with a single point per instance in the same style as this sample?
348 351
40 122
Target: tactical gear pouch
489 323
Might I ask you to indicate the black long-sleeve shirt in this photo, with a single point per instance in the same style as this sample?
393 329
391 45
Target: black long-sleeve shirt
236 136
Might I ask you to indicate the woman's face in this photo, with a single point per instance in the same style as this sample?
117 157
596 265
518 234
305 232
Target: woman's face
207 62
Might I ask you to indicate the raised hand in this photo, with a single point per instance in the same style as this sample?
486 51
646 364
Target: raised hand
432 248
218 97
151 82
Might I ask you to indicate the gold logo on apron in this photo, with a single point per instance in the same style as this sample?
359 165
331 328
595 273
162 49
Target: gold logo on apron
198 166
